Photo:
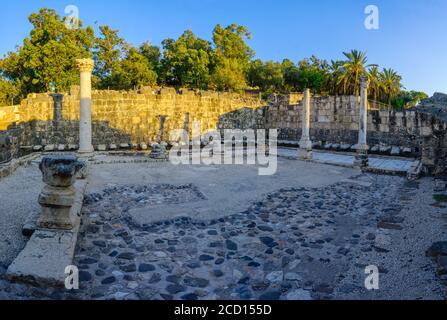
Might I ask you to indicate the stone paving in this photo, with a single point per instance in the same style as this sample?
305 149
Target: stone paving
294 243
375 162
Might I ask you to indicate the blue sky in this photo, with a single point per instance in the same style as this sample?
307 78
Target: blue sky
412 37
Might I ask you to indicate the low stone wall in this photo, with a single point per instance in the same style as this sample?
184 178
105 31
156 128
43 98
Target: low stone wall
133 117
121 117
336 120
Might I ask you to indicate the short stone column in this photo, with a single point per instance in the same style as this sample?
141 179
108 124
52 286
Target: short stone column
57 107
186 124
361 158
161 130
58 194
85 122
305 150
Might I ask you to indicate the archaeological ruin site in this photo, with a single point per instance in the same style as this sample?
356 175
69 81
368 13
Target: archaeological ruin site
231 158
87 188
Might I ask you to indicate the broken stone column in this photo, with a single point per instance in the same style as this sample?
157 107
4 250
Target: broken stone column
162 120
186 126
58 194
57 111
85 122
305 150
361 158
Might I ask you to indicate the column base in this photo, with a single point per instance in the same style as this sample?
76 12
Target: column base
305 150
86 150
361 158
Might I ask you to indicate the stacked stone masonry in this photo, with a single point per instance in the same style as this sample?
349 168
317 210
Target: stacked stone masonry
133 118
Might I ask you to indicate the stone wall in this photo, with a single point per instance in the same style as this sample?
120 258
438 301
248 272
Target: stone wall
335 120
121 117
133 117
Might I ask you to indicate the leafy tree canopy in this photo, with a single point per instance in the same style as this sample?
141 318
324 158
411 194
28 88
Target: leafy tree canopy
46 62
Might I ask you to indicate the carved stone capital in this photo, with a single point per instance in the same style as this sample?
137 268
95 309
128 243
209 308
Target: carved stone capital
85 65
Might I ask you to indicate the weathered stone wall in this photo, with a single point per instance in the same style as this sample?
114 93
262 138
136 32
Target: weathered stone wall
133 117
121 117
336 120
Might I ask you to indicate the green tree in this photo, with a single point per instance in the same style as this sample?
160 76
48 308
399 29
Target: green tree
46 60
8 93
353 68
187 61
375 84
408 99
109 50
232 57
391 85
133 71
290 74
268 76
311 75
153 56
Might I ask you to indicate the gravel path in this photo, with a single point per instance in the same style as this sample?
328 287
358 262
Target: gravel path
18 197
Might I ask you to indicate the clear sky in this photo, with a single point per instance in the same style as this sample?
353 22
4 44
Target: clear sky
412 36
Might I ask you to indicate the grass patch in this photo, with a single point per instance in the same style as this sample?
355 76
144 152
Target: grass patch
440 197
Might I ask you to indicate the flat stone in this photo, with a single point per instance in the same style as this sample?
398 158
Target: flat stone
275 277
206 257
196 282
437 249
126 256
49 252
292 276
270 295
395 151
146 267
108 280
175 288
102 147
50 147
231 245
389 226
299 295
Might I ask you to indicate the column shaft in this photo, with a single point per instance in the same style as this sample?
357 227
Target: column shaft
305 151
361 159
85 121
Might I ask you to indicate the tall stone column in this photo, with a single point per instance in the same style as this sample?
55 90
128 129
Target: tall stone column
85 122
305 151
361 158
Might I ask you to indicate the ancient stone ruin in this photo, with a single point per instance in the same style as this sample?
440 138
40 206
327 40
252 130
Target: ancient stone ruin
136 226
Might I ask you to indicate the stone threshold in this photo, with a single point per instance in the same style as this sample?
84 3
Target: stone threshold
48 252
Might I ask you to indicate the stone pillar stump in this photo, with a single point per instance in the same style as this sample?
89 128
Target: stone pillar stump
58 194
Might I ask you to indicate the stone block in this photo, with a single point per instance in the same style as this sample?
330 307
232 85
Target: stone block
49 148
101 147
48 252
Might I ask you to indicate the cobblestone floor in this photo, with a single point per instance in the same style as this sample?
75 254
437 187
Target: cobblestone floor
296 243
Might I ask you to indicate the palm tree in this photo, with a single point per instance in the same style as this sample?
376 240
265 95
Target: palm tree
375 86
390 80
354 68
335 70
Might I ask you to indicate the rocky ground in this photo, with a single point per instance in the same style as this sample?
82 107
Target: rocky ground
296 243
